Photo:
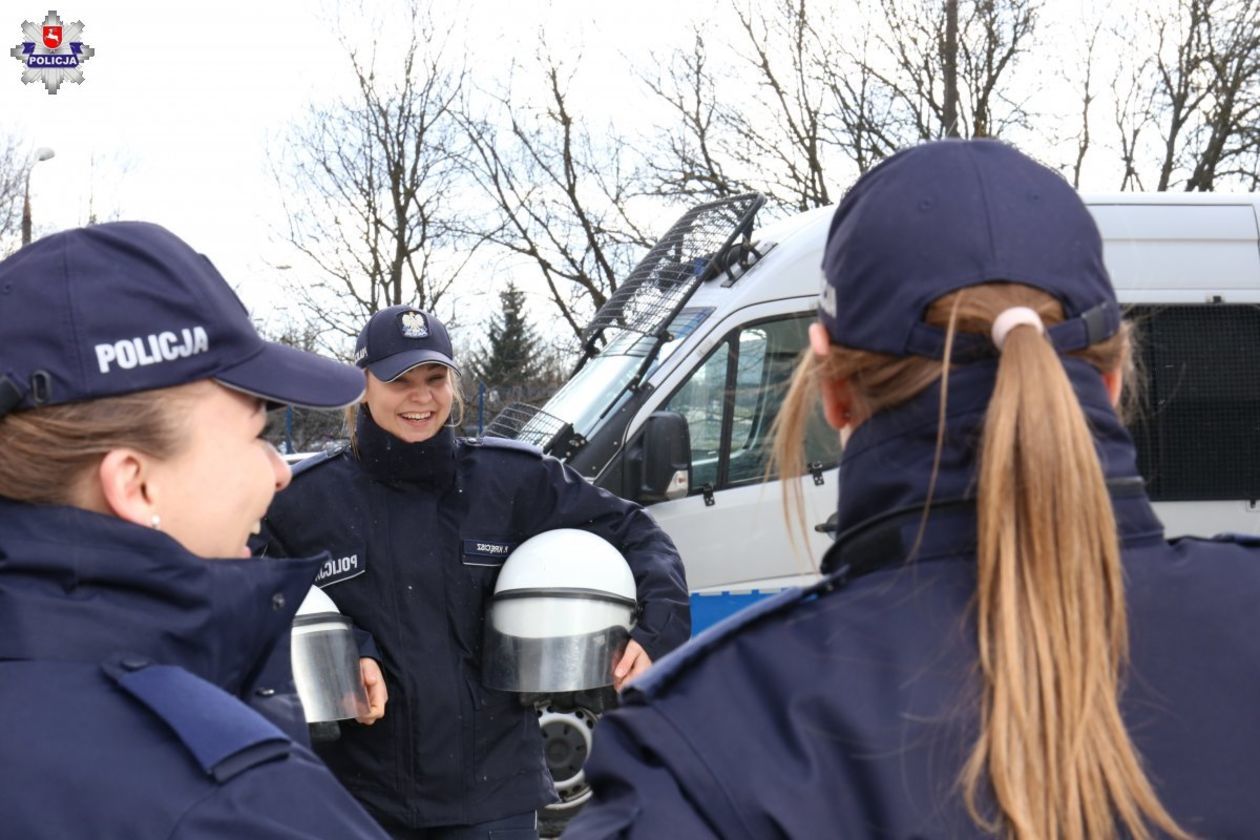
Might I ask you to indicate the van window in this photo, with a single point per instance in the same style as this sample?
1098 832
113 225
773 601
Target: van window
731 402
1198 427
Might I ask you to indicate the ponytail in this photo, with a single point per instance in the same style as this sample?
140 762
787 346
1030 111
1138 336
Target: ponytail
1051 621
1051 618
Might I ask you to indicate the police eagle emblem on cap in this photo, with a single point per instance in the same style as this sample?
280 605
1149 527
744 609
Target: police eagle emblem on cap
413 324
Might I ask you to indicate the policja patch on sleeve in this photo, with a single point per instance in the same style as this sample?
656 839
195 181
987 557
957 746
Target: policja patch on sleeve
341 566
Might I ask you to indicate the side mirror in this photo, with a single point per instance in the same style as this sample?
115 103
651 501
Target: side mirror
664 458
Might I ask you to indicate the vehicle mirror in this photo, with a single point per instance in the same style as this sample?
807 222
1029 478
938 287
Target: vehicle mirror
666 458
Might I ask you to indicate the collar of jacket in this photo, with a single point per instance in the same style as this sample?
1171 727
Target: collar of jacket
386 458
80 586
887 464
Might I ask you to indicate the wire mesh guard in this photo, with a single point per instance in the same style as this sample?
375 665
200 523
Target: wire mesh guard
529 423
1198 429
685 257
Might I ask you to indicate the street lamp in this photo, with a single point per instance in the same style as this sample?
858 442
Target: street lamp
42 153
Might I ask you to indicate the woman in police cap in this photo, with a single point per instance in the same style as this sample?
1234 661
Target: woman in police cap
1003 643
134 626
418 522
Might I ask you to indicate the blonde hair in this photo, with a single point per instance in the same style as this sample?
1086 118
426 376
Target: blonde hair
352 411
1051 619
46 454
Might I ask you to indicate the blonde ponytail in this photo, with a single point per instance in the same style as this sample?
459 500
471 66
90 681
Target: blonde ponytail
1050 611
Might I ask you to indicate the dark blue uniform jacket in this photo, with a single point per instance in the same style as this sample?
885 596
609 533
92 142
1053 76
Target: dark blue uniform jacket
417 534
847 709
124 661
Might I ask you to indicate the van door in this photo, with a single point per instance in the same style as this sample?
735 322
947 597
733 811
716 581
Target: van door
730 529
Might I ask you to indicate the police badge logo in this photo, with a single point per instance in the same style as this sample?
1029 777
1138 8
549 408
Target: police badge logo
413 324
52 54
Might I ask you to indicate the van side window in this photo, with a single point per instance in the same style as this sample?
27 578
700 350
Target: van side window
1197 427
731 402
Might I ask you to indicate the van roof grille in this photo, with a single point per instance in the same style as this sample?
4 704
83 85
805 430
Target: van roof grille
529 423
689 254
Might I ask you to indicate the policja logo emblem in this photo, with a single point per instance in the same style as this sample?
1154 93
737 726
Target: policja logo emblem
52 52
413 324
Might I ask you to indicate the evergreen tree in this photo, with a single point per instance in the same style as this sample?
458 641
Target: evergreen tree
512 357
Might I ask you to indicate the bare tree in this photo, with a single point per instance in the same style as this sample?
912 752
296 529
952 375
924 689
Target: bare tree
825 93
558 192
690 158
13 168
771 131
788 144
1191 103
371 184
926 56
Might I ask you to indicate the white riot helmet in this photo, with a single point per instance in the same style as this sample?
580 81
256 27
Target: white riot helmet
326 661
561 615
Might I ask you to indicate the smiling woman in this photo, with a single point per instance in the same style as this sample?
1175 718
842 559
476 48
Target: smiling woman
132 474
421 522
416 405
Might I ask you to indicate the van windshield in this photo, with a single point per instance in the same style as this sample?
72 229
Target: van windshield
602 381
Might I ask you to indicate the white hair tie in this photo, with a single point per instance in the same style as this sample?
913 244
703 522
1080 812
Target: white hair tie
1009 319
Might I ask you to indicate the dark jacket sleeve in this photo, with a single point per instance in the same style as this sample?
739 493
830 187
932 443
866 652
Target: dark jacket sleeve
291 798
561 498
269 543
636 792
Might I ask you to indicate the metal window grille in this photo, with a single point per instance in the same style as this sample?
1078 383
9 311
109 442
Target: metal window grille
1198 429
691 252
529 423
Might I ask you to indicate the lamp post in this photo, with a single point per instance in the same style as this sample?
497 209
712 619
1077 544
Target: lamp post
42 153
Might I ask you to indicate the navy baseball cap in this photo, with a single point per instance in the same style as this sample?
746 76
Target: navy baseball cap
122 307
396 339
941 216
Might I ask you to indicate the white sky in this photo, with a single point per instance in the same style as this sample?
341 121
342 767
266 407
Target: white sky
182 100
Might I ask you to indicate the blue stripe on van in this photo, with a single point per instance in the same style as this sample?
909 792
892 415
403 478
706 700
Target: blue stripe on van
707 610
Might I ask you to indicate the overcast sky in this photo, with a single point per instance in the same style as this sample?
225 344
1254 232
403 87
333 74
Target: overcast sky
182 101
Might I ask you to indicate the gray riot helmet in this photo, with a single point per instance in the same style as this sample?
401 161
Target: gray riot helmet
326 661
563 607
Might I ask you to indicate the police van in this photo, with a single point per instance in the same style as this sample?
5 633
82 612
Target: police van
685 366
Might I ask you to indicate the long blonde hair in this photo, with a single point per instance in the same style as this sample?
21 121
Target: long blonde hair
1051 619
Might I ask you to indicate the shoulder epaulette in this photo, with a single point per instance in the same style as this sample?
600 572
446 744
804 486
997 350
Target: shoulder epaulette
663 673
307 464
505 443
225 736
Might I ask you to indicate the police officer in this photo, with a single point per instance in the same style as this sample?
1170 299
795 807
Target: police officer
132 397
1003 642
418 522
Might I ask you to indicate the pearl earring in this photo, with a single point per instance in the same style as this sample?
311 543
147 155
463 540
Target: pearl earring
156 522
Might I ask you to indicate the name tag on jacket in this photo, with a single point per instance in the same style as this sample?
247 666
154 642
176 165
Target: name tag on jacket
486 552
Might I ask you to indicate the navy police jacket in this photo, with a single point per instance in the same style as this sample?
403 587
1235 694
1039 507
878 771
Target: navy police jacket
417 534
848 709
124 664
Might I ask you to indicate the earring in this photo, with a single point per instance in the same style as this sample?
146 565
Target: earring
156 522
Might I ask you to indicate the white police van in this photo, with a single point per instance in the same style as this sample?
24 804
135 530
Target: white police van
686 364
688 361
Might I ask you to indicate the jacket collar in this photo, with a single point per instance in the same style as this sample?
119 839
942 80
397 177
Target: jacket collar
886 467
80 586
389 459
